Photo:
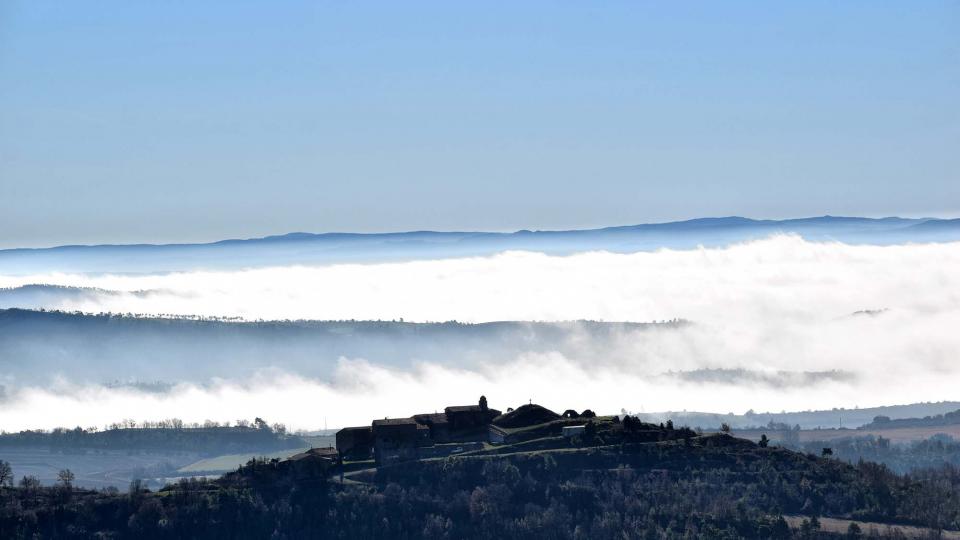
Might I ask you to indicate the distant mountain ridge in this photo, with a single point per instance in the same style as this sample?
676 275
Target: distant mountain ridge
338 247
690 224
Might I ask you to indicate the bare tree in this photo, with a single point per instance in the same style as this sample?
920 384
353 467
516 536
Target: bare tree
6 474
30 483
66 477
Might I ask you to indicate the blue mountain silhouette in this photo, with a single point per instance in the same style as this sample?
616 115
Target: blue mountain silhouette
336 247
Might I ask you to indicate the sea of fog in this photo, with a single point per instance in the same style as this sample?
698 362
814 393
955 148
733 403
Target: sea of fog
874 325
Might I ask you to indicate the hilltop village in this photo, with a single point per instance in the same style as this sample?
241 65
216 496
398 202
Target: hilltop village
458 429
469 431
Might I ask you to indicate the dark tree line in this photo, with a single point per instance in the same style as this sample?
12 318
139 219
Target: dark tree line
705 487
169 435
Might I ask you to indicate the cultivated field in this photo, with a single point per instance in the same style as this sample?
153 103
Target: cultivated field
841 526
897 435
95 469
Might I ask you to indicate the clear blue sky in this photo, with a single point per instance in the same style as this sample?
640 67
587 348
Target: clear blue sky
182 121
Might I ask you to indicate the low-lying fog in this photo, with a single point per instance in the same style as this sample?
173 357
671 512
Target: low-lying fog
775 324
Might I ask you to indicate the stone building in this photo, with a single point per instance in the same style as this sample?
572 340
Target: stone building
467 417
312 464
355 443
397 439
437 423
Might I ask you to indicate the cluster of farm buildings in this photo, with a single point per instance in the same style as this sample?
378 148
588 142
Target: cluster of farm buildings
456 429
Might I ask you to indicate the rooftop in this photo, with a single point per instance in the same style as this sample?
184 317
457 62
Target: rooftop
355 428
463 408
330 453
394 422
431 418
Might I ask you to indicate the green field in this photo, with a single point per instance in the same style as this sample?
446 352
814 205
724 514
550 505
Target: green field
230 462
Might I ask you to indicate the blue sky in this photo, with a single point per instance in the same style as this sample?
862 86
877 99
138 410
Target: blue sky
187 121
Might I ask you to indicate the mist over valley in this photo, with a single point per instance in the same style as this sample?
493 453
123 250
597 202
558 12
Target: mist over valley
778 323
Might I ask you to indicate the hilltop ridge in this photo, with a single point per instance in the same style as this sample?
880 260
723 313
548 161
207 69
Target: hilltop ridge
339 247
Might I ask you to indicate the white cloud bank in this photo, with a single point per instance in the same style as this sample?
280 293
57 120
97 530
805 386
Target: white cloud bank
781 304
361 391
785 277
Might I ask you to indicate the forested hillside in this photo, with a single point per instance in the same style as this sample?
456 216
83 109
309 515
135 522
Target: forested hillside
709 486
